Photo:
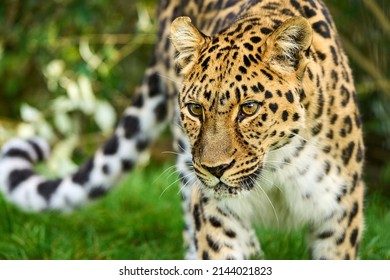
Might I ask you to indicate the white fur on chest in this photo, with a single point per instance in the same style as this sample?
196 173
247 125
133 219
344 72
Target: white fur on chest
293 189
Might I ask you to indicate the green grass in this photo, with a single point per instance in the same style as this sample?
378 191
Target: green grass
142 220
280 245
134 221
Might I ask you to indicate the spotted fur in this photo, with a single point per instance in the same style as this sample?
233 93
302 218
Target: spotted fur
269 130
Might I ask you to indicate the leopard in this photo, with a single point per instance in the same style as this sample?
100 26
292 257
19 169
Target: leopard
264 115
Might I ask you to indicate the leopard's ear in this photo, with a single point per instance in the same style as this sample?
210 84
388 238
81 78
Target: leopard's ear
285 48
188 41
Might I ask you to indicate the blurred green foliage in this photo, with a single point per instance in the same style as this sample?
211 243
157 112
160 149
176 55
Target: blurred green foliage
65 65
48 47
33 33
99 39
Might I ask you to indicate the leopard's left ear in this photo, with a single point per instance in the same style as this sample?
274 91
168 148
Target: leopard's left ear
285 48
188 41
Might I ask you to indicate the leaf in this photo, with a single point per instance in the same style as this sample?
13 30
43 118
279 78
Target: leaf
92 59
45 131
63 123
85 87
73 90
105 116
88 103
62 104
25 130
54 69
30 113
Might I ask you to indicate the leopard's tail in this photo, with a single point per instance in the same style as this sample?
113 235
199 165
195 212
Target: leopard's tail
140 125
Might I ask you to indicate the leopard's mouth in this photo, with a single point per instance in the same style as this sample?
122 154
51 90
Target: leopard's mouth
246 184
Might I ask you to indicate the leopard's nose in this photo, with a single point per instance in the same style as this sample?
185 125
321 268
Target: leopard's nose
218 170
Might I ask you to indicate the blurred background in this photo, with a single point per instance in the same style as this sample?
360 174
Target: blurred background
66 63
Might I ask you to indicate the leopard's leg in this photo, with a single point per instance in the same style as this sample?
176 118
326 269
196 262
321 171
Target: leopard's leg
219 231
339 235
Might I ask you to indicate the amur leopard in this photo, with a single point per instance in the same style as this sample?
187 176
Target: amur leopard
269 130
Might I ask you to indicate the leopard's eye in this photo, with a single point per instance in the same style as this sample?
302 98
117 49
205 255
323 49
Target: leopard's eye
195 109
249 108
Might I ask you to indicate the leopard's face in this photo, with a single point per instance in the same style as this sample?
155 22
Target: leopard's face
236 107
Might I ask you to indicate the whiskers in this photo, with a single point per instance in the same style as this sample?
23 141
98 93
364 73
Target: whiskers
170 169
304 140
177 83
186 179
189 180
260 191
183 170
171 153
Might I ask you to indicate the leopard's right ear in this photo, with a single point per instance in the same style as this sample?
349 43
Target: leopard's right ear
188 41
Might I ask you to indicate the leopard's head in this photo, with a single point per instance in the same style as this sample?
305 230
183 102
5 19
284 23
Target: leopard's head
240 97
